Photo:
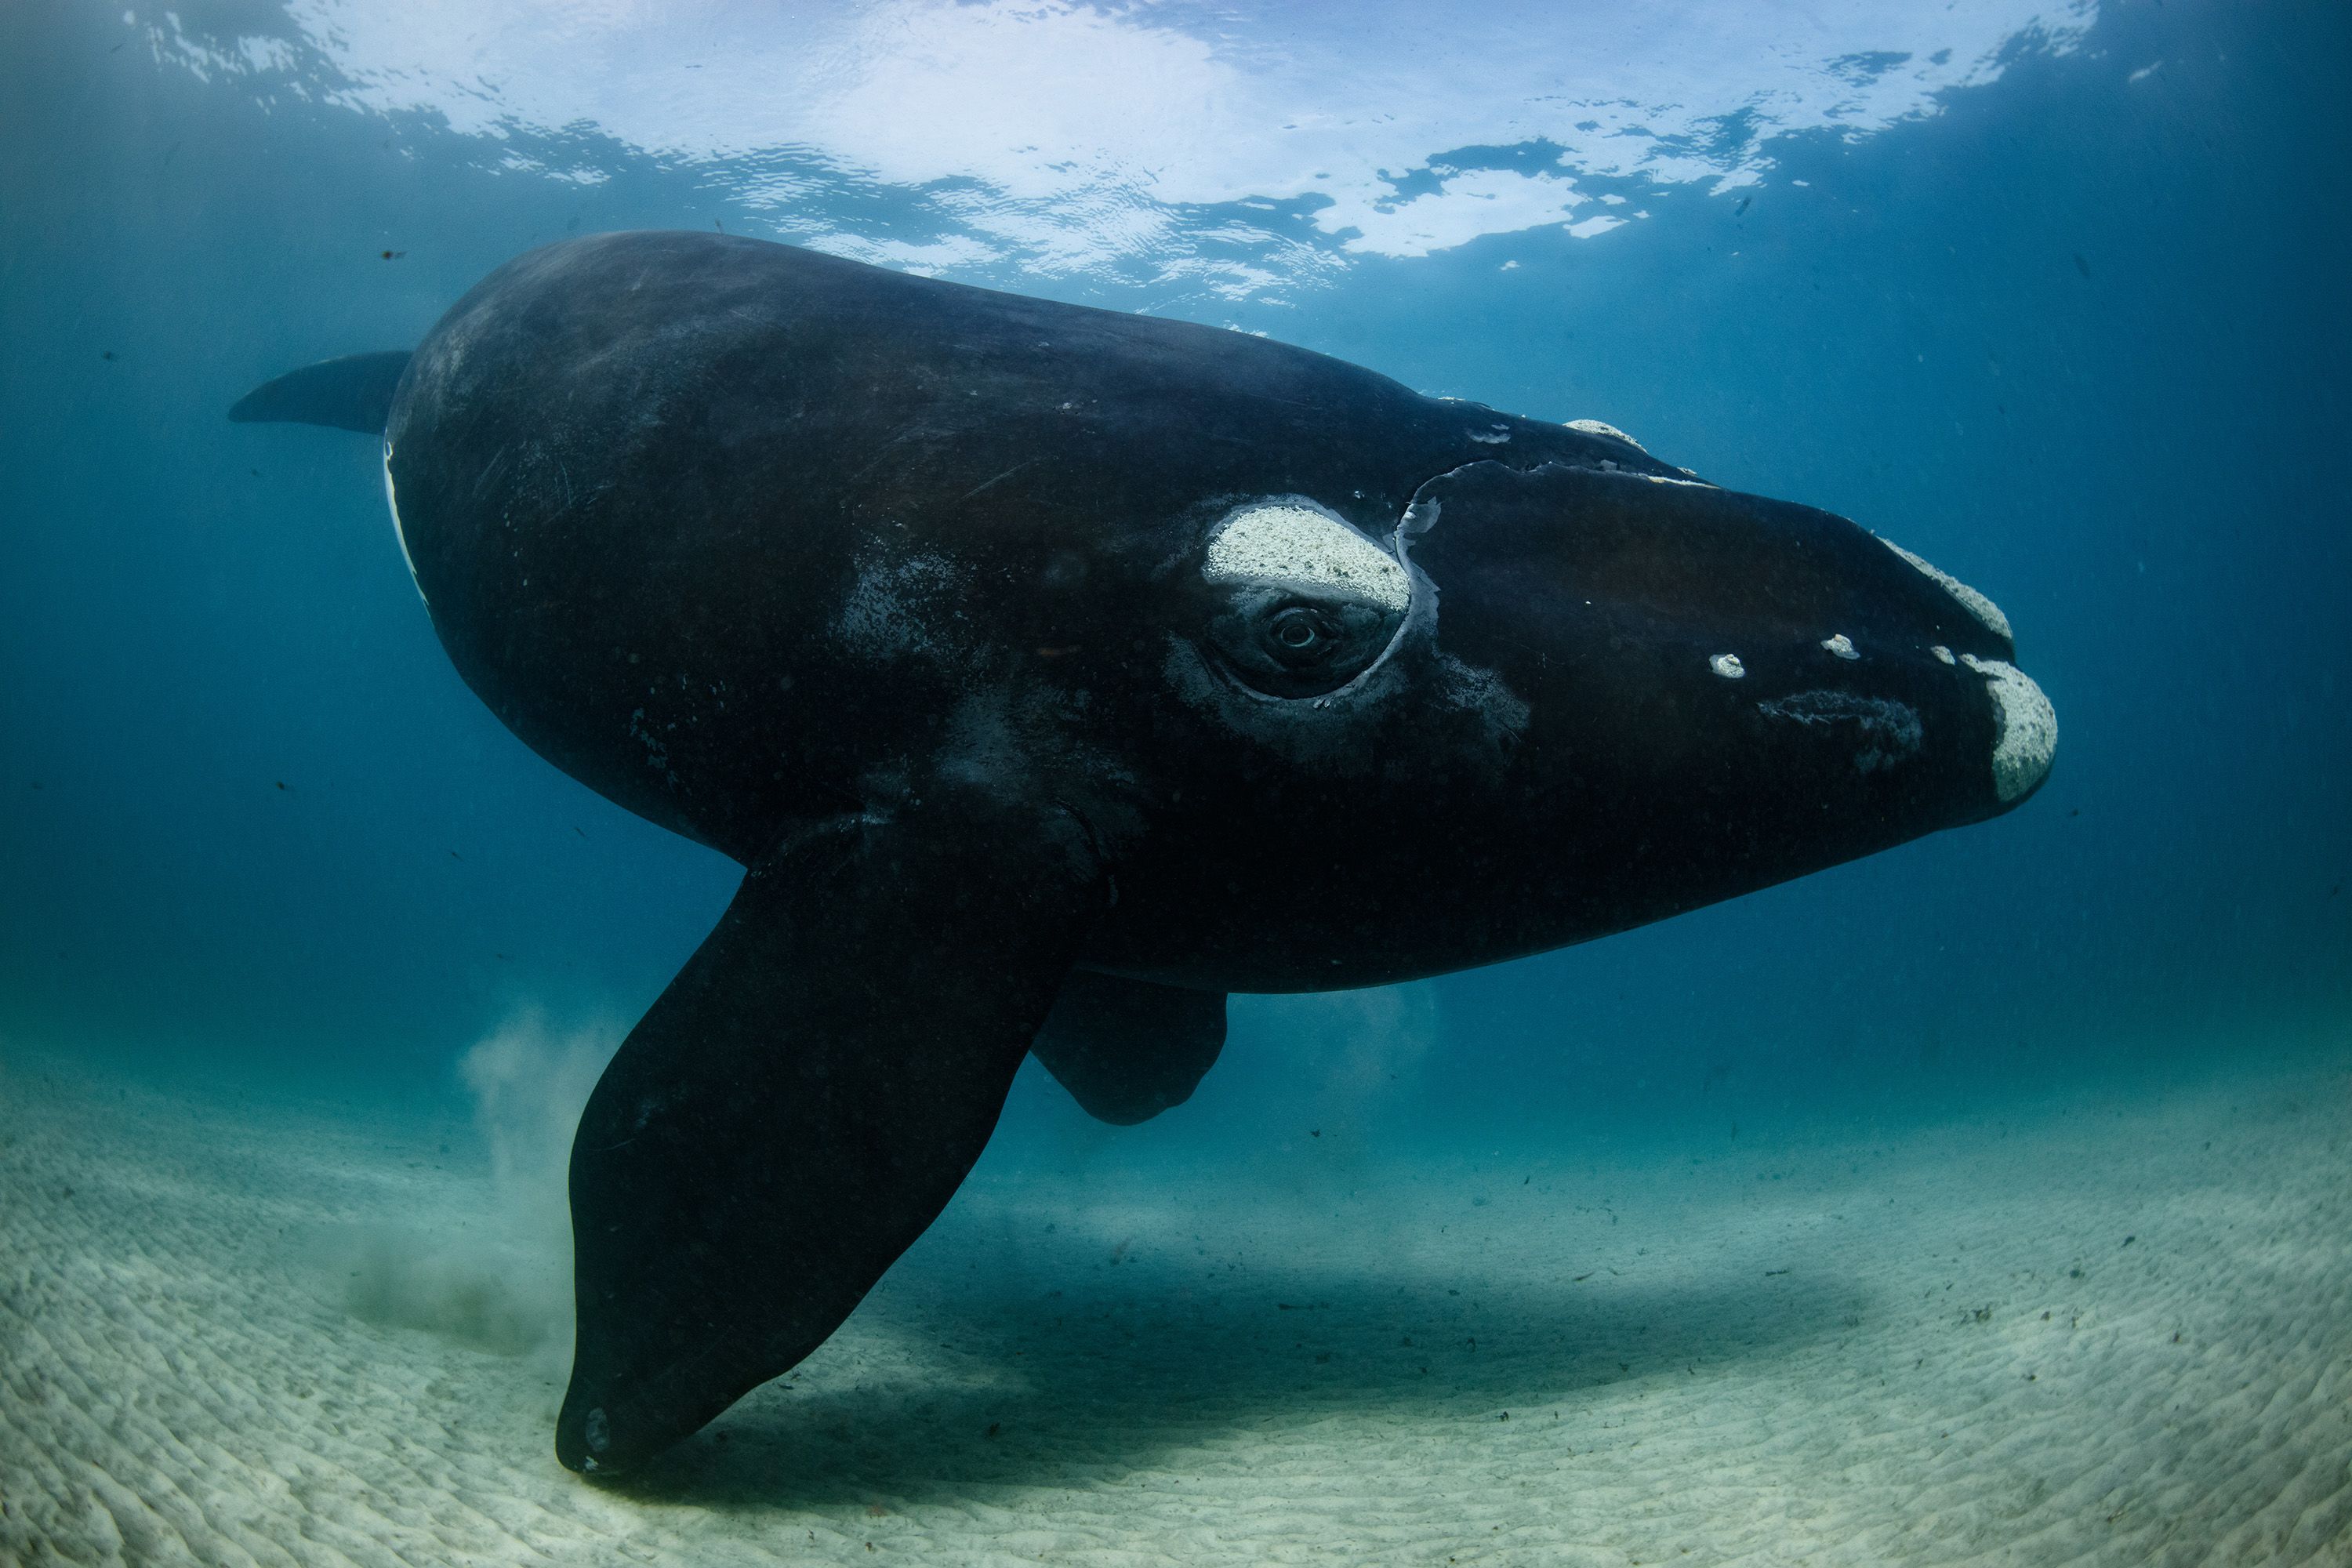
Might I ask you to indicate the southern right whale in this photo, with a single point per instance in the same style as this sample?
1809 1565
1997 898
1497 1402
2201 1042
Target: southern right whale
1053 672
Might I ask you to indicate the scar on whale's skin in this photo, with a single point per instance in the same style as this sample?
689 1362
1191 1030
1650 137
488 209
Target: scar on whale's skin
392 504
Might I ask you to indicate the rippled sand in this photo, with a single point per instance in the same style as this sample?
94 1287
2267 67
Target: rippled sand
231 1335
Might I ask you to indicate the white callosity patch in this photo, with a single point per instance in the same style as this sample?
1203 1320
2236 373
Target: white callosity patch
1943 654
2027 736
392 503
1728 666
1603 427
1840 645
1976 604
1297 542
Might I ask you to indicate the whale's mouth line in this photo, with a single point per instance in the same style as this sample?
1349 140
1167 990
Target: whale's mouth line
1885 732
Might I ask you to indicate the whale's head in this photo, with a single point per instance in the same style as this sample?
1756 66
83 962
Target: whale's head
1560 703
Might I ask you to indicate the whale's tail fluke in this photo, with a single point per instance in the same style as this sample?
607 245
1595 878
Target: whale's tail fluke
353 393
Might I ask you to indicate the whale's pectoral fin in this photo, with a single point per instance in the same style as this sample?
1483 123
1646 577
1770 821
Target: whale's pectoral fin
803 1102
1127 1049
353 393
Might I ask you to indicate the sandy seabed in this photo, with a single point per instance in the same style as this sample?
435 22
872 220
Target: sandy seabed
2114 1333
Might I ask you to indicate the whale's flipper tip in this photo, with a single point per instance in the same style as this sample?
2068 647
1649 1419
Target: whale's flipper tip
353 393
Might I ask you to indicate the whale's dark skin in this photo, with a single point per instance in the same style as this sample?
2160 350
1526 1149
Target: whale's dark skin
1053 672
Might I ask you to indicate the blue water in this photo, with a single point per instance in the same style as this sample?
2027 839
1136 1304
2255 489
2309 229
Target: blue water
2052 294
2067 316
2073 330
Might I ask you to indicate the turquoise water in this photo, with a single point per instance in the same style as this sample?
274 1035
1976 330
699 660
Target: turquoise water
2053 296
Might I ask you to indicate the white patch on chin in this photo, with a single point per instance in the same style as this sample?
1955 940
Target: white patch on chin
392 501
1295 541
2027 736
1976 604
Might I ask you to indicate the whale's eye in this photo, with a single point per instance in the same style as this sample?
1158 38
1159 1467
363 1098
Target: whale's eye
1299 630
1286 644
1304 603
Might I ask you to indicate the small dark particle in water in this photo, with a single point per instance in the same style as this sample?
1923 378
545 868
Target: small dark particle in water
37 783
2073 1274
281 784
1316 1133
503 957
455 855
394 254
994 1427
1770 1273
108 354
2082 265
2076 812
1506 1416
255 472
1581 1277
2129 1239
2335 889
1742 207
576 828
68 1192
1060 652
